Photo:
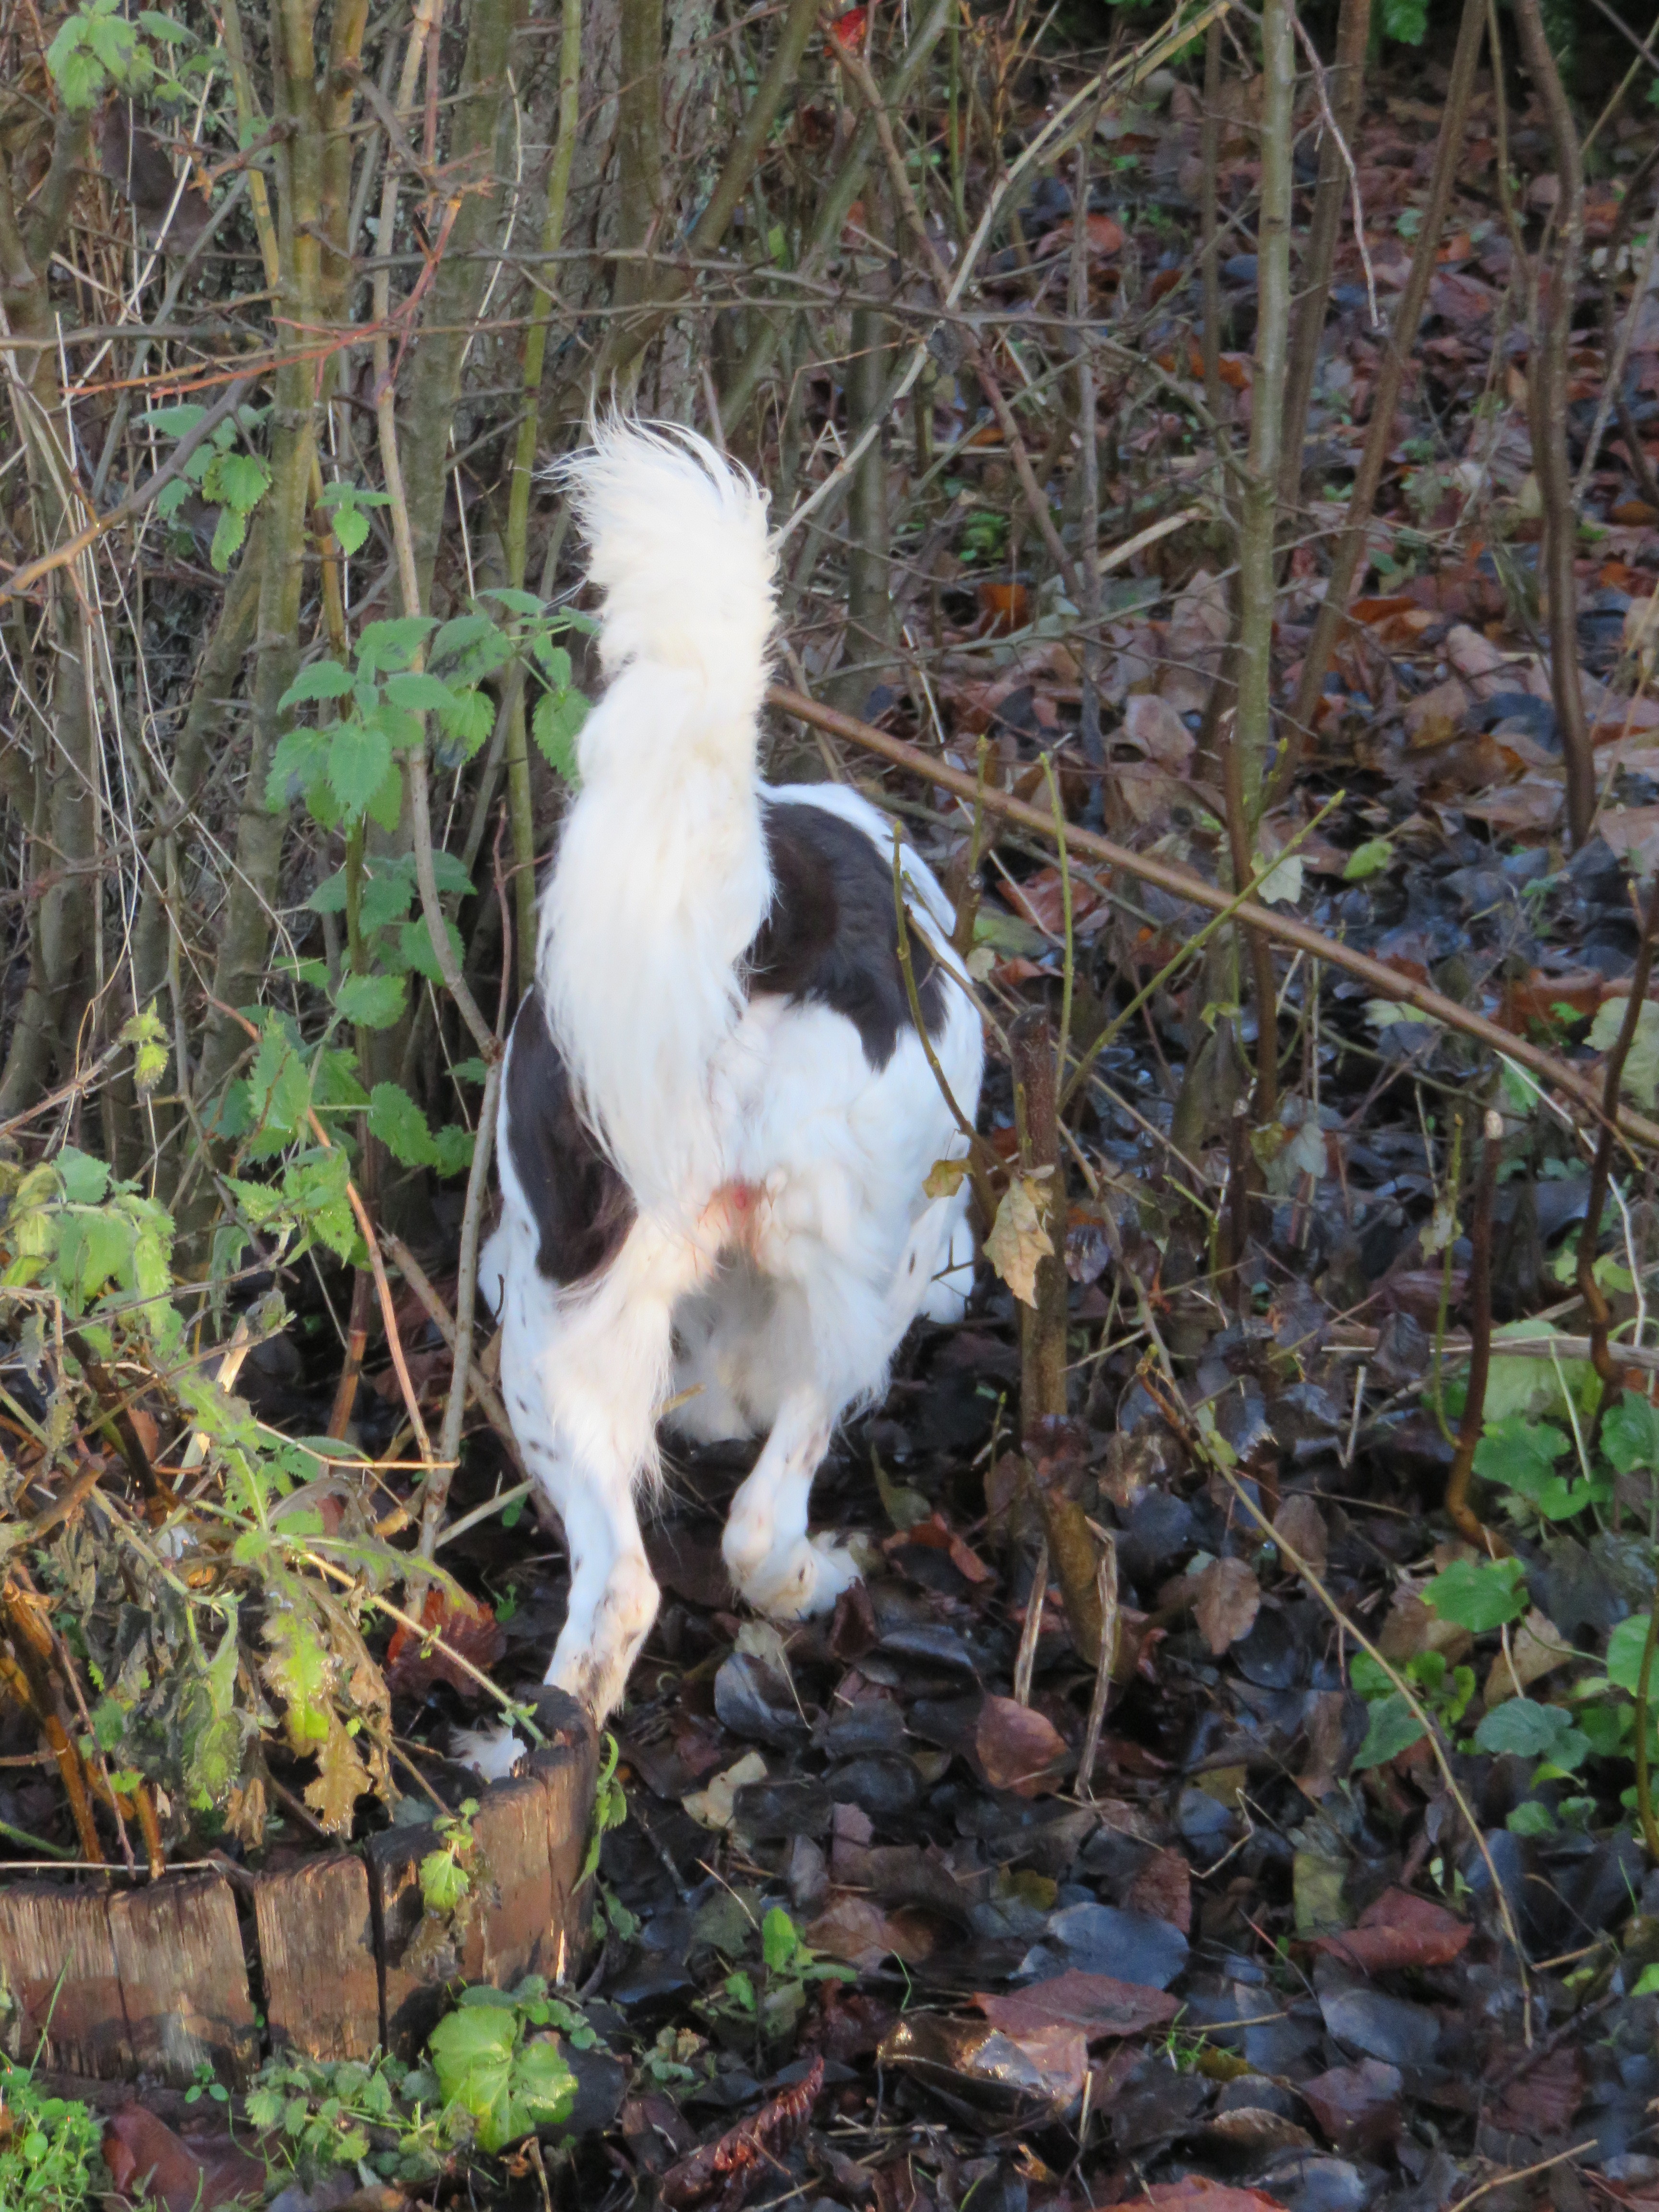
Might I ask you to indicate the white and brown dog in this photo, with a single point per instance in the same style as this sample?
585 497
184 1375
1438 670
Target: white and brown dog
717 1116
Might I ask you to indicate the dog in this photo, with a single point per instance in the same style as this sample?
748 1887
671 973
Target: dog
717 1113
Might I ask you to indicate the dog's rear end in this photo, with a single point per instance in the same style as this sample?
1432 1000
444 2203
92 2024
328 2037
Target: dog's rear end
717 1115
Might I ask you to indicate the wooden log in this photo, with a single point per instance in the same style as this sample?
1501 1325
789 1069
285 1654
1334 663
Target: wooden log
184 1978
532 1835
316 1936
58 1960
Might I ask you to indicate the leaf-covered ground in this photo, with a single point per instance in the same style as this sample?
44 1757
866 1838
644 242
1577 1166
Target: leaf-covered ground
1352 1908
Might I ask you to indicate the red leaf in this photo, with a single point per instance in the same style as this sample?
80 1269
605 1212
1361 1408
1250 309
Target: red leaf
1163 1887
1358 2108
1096 2003
1017 1749
412 1666
149 2163
747 2154
1195 2194
849 32
1398 1929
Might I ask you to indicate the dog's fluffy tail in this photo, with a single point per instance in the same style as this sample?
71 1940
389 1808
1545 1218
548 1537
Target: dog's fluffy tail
661 879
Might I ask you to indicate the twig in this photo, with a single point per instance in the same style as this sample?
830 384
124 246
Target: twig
1106 1597
1522 2173
1596 1303
444 1322
1463 1517
1289 929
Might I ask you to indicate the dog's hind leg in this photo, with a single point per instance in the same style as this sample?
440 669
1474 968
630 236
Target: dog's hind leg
777 1566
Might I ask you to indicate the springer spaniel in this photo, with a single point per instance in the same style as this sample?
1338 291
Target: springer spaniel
717 1116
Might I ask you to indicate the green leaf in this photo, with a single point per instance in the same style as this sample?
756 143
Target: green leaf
144 1033
452 1150
1479 1595
1394 1729
1647 1981
458 635
556 726
415 942
85 1180
359 758
300 761
449 873
1519 1454
779 1941
240 480
1368 859
1641 1073
227 535
376 1002
418 693
298 1669
279 1087
386 896
386 645
443 1881
1534 1818
471 2054
1533 1731
1625 1649
78 77
543 2089
330 895
516 602
164 27
399 1124
176 419
469 719
386 807
324 679
172 496
350 528
1629 1433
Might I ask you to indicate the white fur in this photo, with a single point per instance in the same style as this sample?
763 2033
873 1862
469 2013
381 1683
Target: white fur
784 1242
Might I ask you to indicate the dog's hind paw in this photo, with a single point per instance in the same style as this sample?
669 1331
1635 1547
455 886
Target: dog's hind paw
804 1579
492 1752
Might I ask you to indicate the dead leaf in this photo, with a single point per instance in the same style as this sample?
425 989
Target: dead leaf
1228 1600
144 2154
1163 1887
1152 724
1045 2064
412 1665
1017 1749
856 1930
713 1808
1301 1525
1194 2194
1399 1928
1017 1238
1535 1647
1096 2004
1357 2107
1543 2100
342 1779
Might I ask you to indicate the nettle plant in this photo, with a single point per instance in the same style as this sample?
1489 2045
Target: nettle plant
100 48
200 1609
346 768
1544 1701
221 471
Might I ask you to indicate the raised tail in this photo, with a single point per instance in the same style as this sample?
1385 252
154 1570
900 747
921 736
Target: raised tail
661 879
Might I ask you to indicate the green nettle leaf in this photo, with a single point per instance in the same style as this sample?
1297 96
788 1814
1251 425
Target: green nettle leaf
324 679
1394 1727
1519 1454
376 1002
556 726
279 1086
148 1040
449 873
1629 1433
172 496
386 645
386 896
1624 1648
399 1124
554 661
227 535
469 719
240 480
183 416
1534 1731
350 528
76 73
1368 859
418 949
314 1189
779 1941
330 895
452 1150
85 1180
300 761
1406 20
1641 1073
359 760
418 692
298 1669
460 635
516 602
164 27
386 807
1479 1594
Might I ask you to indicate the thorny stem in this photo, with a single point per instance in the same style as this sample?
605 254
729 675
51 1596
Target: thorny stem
1547 385
1595 1303
1461 1514
1380 436
1388 982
